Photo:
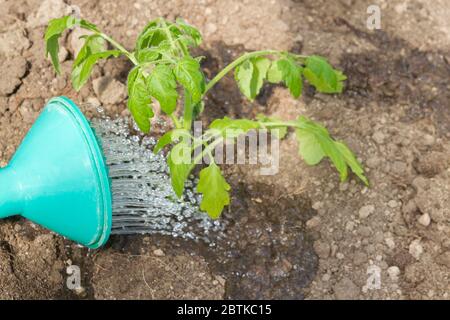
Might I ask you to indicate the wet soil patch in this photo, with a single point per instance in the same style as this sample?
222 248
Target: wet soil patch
396 74
264 253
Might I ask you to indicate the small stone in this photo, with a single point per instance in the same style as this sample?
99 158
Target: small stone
428 140
373 162
365 211
93 102
339 256
158 253
312 223
416 249
393 273
63 54
401 8
378 137
48 9
326 277
349 226
322 249
390 243
221 280
109 90
210 28
346 290
317 205
392 204
424 219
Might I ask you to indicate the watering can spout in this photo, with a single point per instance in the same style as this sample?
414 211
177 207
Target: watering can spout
58 178
10 193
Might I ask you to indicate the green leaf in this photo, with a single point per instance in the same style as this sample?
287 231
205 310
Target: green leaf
194 35
310 149
188 73
81 73
163 87
180 166
147 55
54 30
232 128
169 137
351 161
150 36
214 189
280 131
139 100
92 44
316 143
163 141
250 75
274 74
322 75
291 75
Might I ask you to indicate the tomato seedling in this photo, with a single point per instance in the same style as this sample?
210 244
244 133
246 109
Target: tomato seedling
165 71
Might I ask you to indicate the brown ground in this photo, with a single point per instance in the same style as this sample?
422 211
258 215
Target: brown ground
324 236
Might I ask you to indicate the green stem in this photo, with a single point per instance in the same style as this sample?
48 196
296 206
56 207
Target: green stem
120 47
188 110
235 63
176 122
208 151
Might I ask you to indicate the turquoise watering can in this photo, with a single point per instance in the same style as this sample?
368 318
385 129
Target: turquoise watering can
58 177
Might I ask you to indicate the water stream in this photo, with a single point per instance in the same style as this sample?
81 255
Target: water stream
143 199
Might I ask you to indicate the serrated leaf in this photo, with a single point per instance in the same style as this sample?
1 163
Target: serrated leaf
92 44
351 161
280 131
163 87
322 75
232 128
139 100
215 189
144 39
81 73
188 73
315 143
291 75
180 166
54 31
250 76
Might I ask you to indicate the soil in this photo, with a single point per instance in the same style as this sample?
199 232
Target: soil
298 234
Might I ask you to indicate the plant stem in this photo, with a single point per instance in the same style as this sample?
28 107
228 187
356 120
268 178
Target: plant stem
188 110
120 47
235 63
176 122
208 150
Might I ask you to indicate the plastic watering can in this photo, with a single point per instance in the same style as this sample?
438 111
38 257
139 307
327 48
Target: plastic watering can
58 177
